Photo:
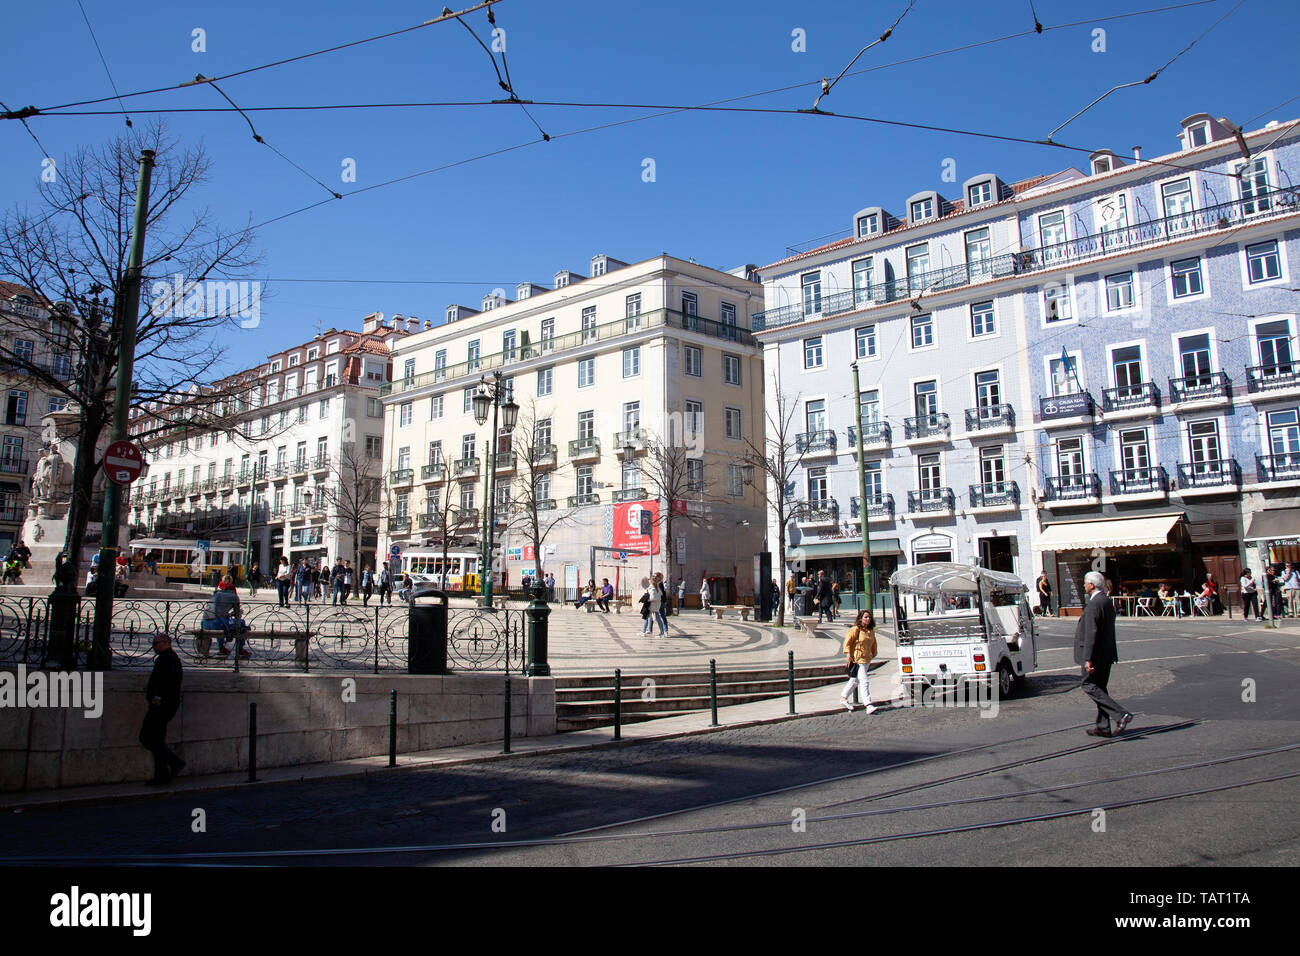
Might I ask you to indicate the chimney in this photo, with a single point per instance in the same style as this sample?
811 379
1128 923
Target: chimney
1137 154
412 324
428 324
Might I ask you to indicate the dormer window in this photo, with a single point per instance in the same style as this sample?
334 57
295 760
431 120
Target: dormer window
294 359
451 313
313 354
561 280
598 266
1101 165
523 290
1198 135
922 209
979 194
489 303
868 225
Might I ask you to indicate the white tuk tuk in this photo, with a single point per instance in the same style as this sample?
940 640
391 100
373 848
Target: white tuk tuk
959 625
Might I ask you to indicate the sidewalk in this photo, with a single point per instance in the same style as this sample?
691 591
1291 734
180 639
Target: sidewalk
810 703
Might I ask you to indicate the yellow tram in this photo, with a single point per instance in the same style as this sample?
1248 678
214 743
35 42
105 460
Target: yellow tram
181 560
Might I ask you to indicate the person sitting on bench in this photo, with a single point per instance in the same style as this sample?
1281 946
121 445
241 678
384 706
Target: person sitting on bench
222 614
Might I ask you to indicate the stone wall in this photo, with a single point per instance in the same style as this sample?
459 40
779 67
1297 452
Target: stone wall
301 719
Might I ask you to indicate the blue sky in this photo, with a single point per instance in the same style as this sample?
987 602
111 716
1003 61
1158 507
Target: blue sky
729 188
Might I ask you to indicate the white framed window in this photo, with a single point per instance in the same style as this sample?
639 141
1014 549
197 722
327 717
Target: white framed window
632 362
979 254
863 273
981 319
548 334
979 193
1253 179
324 408
404 414
589 323
865 341
868 225
584 483
730 368
1051 235
818 487
404 458
472 356
469 400
918 267
922 331
1176 200
435 407
811 283
693 417
693 360
439 365
922 209
735 481
545 380
586 424
812 352
1056 303
586 372
295 359
1198 135
1263 262
1185 278
731 417
408 370
1119 292
632 312
1063 375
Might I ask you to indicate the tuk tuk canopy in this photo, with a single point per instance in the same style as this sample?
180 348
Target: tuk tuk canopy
948 577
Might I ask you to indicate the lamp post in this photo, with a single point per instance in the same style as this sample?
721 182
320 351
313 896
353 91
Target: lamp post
864 506
496 396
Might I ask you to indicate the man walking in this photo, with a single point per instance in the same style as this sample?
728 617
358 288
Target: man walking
1249 596
164 695
823 597
1291 585
1094 648
385 585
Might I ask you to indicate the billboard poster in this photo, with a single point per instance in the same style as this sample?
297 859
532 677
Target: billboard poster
627 527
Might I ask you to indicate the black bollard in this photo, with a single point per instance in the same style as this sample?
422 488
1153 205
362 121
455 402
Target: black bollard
618 703
506 747
392 728
790 665
713 690
252 742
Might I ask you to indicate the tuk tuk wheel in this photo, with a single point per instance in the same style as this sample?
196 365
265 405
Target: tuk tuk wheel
1006 680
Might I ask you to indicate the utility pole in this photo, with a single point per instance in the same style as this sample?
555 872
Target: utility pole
125 317
863 504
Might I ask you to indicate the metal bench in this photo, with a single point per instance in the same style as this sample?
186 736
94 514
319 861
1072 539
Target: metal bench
203 638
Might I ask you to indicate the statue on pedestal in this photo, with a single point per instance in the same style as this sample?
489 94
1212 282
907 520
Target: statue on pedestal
47 475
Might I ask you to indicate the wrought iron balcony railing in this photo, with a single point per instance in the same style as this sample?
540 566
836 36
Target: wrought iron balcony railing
401 476
1283 467
544 456
1073 487
990 416
545 504
584 447
635 437
813 442
460 517
1214 473
1123 397
14 466
1209 220
1139 481
873 433
398 523
931 499
993 494
434 472
818 511
320 463
1268 378
630 494
463 467
504 461
1199 388
927 426
431 519
578 501
878 506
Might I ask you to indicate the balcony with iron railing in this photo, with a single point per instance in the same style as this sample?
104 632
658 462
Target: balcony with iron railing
990 418
463 517
933 427
399 523
299 466
634 438
1278 468
1206 387
504 461
873 433
1073 253
995 494
1139 481
570 342
435 472
320 462
1212 473
545 504
817 511
581 449
401 476
1072 487
14 466
544 456
1144 396
931 499
878 506
630 494
430 520
9 515
465 468
811 444
1278 377
579 501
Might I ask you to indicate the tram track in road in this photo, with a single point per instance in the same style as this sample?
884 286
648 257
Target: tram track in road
231 858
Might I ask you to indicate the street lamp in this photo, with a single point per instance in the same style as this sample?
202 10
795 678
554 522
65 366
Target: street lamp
495 395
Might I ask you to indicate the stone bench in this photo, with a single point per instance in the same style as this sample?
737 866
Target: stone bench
809 626
741 610
203 638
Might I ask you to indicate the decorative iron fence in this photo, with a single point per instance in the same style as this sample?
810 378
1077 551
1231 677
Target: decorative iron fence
302 637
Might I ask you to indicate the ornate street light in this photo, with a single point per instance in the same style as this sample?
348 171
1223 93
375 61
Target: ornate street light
496 396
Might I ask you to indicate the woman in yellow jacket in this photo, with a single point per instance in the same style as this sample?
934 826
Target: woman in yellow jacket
859 650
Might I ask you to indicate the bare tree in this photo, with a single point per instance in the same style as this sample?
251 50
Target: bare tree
673 472
353 499
778 461
71 251
533 513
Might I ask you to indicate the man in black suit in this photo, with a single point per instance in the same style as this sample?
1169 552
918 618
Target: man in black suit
164 695
823 596
1094 648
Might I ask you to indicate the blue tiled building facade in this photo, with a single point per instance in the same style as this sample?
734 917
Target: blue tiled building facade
1085 369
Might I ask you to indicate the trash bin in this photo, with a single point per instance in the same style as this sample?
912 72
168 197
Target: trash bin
427 632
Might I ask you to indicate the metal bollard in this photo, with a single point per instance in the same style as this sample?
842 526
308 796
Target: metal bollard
392 728
618 703
790 665
506 748
377 638
252 742
713 690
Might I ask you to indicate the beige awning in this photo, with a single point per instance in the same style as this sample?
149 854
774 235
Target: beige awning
1156 531
1274 524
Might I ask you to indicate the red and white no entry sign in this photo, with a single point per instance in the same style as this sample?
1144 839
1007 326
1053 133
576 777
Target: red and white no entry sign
123 462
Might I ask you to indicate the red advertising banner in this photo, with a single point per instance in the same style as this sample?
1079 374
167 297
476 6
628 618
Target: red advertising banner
627 527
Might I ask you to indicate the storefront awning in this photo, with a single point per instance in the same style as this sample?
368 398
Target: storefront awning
849 548
1274 524
1155 531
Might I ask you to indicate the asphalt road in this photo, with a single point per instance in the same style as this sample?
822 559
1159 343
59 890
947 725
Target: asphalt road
905 786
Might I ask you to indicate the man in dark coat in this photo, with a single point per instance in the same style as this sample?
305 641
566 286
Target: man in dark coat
1094 648
824 597
164 695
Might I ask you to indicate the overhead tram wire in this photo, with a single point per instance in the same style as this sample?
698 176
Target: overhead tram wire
44 152
828 86
103 60
504 83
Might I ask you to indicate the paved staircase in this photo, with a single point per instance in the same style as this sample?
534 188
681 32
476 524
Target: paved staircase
582 703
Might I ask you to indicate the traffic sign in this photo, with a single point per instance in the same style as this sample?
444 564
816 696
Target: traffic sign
395 551
123 462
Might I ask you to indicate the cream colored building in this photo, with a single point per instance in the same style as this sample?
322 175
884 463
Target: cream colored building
601 366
